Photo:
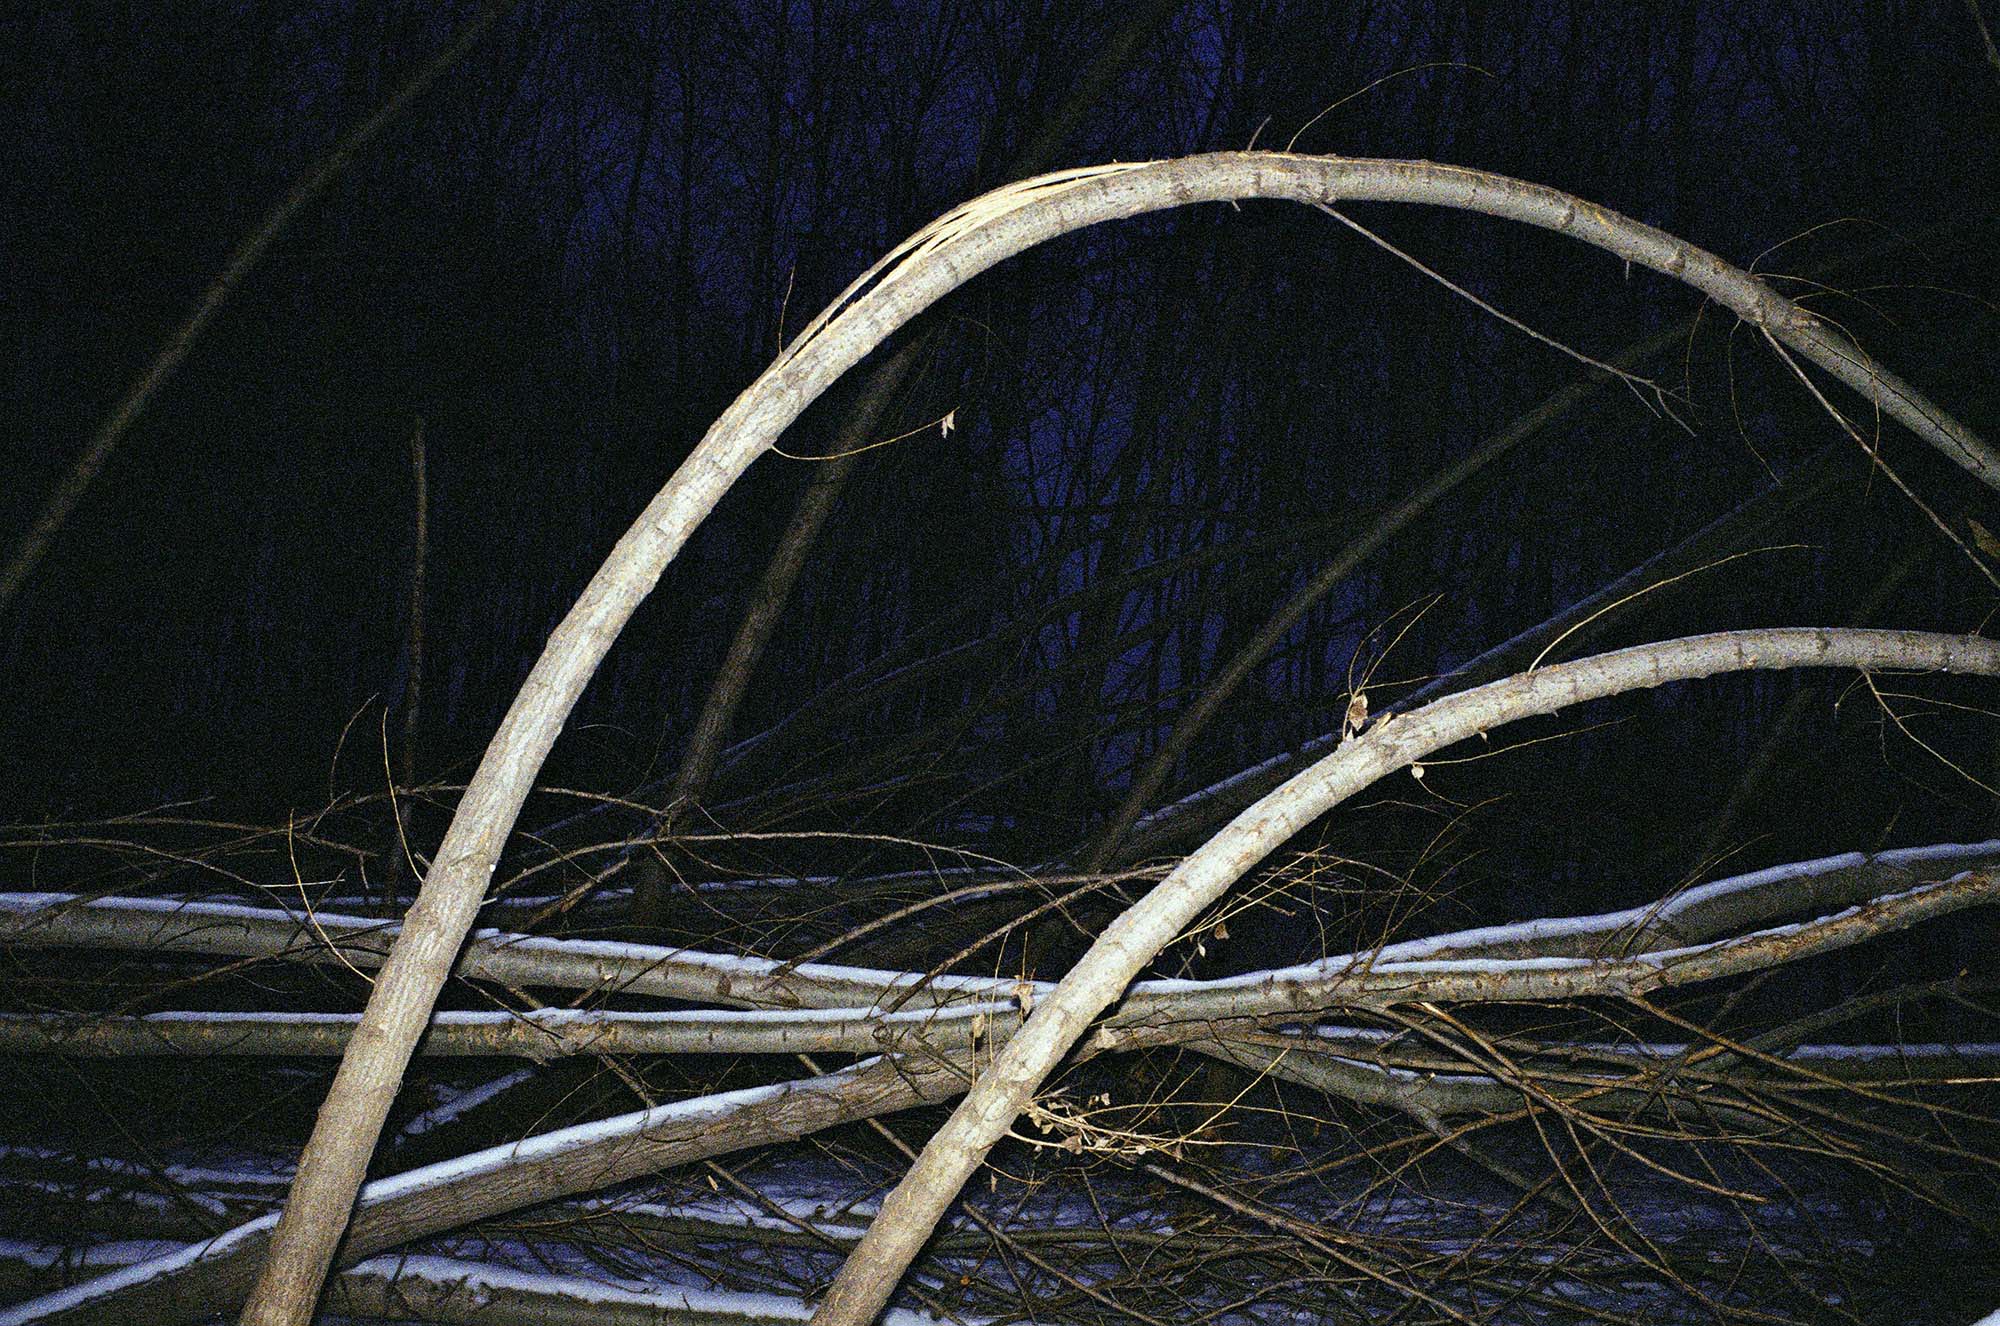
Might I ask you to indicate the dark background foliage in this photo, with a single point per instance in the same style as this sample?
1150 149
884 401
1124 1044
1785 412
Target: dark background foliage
572 253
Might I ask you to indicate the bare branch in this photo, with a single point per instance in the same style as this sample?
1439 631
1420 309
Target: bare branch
28 550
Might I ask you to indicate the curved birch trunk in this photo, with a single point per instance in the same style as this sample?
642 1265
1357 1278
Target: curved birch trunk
930 264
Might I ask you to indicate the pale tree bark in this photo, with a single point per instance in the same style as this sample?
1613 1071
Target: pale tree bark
920 271
46 920
537 1034
818 1006
1668 945
1662 1081
1689 937
1006 1087
209 1276
28 550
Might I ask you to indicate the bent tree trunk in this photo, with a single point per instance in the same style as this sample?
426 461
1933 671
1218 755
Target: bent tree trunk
1007 1086
928 265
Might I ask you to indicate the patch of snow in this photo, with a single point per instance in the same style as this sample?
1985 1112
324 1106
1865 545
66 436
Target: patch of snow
425 1177
479 1281
580 1136
48 1256
458 1102
183 1175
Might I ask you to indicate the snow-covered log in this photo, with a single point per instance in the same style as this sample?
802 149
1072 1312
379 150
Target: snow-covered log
215 1275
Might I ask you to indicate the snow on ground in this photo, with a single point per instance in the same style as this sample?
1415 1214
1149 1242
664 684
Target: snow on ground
1434 1212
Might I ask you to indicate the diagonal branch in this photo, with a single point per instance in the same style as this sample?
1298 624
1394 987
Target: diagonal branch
1202 810
28 550
214 1275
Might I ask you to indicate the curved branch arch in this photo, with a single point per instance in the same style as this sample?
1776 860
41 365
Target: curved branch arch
920 271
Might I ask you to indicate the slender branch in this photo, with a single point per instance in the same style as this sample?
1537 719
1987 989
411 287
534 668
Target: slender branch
413 639
541 1034
1217 690
1580 622
45 920
1985 34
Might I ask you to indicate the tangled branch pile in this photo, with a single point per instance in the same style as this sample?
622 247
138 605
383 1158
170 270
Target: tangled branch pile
1272 1081
1579 1114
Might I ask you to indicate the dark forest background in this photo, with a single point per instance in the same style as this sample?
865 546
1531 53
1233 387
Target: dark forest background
563 261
